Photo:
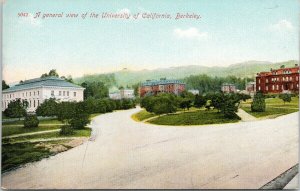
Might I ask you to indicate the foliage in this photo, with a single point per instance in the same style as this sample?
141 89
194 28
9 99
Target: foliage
80 117
31 121
200 117
65 111
96 90
159 104
66 130
51 73
199 101
185 103
285 97
206 84
4 85
16 108
258 104
68 78
47 108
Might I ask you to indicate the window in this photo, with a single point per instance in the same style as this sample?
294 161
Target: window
291 78
29 93
38 102
297 85
267 88
258 87
277 87
259 81
267 80
273 87
67 93
33 103
292 86
52 92
29 103
64 93
59 93
38 92
74 94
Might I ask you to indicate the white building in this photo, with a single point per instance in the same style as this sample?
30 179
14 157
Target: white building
122 94
194 92
35 91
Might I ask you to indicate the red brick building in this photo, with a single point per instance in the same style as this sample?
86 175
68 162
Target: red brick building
153 87
279 80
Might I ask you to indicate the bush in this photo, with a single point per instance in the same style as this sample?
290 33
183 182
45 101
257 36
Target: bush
16 108
285 97
80 117
31 121
258 104
199 101
47 108
66 130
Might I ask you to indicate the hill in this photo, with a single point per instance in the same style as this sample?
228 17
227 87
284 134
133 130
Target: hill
127 77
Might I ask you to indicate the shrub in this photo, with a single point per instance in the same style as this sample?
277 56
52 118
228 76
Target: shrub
47 108
16 108
80 117
258 104
31 121
199 101
285 97
66 130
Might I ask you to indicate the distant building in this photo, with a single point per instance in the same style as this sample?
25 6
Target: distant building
228 88
122 94
251 88
278 80
37 90
194 91
153 87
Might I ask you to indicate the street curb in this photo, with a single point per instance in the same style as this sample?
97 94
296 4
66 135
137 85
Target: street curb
282 180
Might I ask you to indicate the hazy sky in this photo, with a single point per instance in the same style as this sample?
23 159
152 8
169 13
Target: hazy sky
228 32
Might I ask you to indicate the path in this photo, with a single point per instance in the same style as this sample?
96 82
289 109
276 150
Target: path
245 116
129 154
32 133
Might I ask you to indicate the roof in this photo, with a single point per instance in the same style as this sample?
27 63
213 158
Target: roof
50 81
161 82
280 71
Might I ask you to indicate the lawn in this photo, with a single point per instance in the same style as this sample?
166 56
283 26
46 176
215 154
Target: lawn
274 107
142 115
200 117
11 129
86 132
42 121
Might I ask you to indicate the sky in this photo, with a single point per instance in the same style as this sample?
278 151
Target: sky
228 32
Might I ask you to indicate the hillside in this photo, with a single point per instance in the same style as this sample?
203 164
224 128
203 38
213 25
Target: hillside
127 77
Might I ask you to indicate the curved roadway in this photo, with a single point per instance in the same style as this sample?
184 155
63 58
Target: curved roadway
128 154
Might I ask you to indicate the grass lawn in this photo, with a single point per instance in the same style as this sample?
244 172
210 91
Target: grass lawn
11 130
43 121
16 154
86 132
200 117
13 155
142 115
274 107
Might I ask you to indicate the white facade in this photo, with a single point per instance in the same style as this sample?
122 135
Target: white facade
194 92
37 95
122 94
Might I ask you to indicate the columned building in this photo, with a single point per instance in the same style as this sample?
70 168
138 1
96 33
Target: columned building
37 90
283 80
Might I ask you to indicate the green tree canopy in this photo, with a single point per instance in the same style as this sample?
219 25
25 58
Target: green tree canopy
16 108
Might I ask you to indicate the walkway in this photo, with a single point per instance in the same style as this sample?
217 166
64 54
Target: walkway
245 116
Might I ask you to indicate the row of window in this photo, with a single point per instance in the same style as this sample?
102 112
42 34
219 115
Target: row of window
24 94
285 79
277 87
62 93
31 103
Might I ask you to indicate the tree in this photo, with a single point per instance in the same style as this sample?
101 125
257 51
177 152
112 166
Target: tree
285 97
47 108
51 73
80 117
162 103
258 104
199 101
4 85
31 121
185 103
65 111
16 109
217 100
95 89
68 79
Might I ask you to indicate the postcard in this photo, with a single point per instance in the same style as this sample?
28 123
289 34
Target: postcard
133 94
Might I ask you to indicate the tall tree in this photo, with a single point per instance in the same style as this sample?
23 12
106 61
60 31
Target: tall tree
4 85
16 109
